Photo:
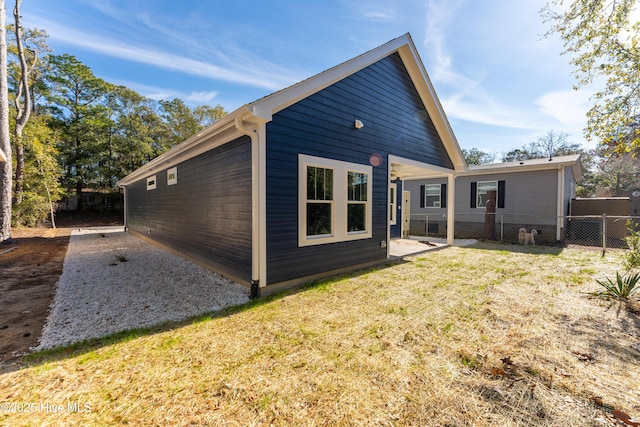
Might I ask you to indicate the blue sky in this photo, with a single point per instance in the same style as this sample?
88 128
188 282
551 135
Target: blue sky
502 84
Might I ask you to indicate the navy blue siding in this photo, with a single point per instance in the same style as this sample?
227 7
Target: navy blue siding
206 216
395 121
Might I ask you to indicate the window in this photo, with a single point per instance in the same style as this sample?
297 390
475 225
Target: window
334 201
357 201
479 192
483 190
172 176
319 201
433 196
151 183
393 188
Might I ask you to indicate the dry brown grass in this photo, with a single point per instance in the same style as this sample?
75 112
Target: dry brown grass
480 336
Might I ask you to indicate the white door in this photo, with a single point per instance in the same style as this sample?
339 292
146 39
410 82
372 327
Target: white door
406 213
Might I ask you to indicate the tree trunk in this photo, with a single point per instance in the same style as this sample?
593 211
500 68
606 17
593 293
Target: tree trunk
6 186
23 108
18 187
490 216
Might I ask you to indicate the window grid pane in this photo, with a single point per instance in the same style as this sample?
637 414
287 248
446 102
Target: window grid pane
356 217
432 195
357 190
318 219
319 183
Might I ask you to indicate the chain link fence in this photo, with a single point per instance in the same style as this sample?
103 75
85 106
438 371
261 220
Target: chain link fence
602 231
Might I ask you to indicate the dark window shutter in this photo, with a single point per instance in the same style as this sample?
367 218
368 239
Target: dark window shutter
422 196
501 194
474 194
443 195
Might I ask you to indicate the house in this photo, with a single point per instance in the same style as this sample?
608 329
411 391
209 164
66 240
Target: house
296 185
3 157
531 194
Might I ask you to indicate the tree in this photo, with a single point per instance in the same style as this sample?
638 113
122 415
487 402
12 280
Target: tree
474 156
22 98
549 145
42 173
6 168
76 98
604 43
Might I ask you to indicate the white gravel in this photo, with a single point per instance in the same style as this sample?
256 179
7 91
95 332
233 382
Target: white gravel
112 281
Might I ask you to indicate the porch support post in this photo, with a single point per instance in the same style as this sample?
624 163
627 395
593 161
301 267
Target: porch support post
451 200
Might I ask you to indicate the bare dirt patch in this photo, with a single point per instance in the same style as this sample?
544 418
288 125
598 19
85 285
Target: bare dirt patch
29 270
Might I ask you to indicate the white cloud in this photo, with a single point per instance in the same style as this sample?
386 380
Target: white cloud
567 107
484 111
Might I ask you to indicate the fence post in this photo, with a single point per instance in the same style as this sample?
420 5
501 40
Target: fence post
604 233
426 225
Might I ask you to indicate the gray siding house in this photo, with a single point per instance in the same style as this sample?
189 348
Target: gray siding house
531 194
302 183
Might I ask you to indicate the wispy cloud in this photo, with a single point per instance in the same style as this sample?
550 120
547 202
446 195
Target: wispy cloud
568 108
161 93
263 74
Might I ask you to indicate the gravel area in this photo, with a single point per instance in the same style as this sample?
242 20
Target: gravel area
112 281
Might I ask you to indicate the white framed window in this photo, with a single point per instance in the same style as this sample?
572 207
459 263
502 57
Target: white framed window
151 183
172 176
483 189
432 196
334 201
393 203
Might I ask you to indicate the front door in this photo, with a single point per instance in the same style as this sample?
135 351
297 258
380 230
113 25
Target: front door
406 213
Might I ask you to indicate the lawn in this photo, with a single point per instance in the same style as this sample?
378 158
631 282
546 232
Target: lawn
485 336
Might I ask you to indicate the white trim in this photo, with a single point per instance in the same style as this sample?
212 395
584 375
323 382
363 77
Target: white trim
451 203
560 203
172 176
339 202
393 202
152 182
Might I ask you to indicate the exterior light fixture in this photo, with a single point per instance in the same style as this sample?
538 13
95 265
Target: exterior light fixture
358 124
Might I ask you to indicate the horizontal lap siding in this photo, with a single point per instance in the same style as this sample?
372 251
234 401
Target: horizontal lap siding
207 214
383 97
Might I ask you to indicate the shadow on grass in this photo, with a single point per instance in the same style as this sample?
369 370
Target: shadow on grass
539 249
82 347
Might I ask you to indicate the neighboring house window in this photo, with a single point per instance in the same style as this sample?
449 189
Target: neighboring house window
334 201
172 176
151 183
433 196
480 190
393 204
483 192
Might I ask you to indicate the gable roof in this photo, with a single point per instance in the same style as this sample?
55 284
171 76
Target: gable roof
572 160
264 108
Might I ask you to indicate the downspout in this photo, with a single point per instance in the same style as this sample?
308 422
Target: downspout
124 206
255 207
